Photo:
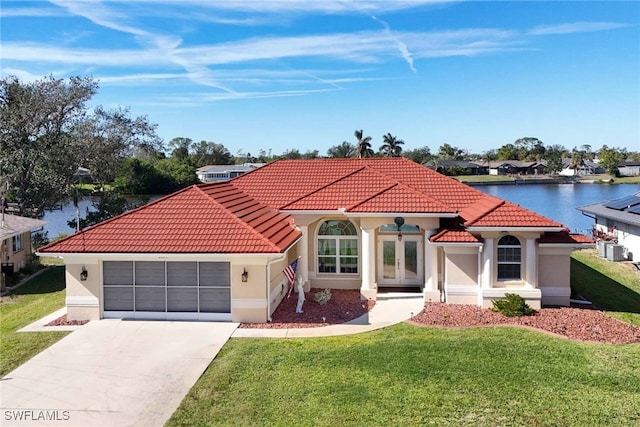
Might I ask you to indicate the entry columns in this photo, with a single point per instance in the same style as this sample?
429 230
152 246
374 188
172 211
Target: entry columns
368 259
531 266
303 253
431 291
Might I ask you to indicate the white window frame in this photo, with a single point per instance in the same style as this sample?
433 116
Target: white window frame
17 243
499 262
337 239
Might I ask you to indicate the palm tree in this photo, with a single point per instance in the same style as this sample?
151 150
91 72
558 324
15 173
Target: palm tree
391 146
363 146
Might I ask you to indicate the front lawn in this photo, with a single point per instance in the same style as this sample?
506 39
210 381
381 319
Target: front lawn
410 375
32 301
610 286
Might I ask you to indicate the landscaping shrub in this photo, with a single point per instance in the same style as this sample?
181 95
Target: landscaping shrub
512 305
323 296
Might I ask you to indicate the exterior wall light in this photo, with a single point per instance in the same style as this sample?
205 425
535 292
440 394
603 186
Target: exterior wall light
84 274
245 275
399 223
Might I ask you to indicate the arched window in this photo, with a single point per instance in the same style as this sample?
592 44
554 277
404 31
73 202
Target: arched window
337 247
509 258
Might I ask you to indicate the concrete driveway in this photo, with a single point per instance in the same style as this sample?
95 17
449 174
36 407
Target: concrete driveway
112 373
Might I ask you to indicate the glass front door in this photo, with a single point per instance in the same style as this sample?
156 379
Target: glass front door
400 261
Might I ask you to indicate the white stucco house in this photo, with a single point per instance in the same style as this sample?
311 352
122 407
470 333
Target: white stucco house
218 251
618 222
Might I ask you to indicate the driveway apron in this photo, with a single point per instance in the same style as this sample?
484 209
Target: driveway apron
112 373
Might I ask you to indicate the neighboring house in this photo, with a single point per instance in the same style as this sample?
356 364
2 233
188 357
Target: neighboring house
587 167
515 167
216 173
219 251
458 167
629 168
618 221
15 241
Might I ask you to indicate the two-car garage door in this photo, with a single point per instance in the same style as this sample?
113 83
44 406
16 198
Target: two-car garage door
167 290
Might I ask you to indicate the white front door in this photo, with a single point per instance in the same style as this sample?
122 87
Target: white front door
400 262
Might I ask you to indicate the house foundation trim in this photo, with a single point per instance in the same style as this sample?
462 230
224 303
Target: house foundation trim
82 301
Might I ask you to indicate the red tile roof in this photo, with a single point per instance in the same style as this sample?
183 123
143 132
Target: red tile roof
455 236
283 182
213 218
566 238
367 190
507 214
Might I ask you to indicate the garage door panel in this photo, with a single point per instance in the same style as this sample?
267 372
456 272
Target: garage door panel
182 273
118 298
215 274
118 272
215 300
182 299
150 299
150 273
156 287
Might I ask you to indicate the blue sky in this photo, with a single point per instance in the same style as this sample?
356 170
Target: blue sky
278 75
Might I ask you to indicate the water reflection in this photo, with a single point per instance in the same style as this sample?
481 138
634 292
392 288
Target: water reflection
559 201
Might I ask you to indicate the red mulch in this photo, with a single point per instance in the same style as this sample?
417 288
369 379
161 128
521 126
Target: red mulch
344 305
579 324
62 321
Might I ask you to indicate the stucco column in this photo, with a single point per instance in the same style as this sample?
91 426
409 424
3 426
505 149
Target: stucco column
431 291
368 259
303 253
487 258
531 266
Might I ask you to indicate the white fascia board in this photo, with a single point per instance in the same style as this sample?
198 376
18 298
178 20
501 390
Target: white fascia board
457 244
402 214
260 258
313 212
515 229
343 211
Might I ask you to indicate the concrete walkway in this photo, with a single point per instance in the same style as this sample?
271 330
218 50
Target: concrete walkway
112 373
389 309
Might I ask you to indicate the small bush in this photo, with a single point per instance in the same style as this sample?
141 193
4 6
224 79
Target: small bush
322 297
513 305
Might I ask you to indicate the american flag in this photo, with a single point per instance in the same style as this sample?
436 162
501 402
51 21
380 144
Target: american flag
290 271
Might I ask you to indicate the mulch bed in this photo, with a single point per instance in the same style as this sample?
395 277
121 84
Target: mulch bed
62 321
579 324
344 305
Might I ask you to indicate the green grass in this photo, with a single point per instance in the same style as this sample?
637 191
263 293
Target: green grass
610 286
409 375
608 179
502 178
32 301
51 260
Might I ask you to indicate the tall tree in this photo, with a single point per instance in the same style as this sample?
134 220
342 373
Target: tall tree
419 155
391 146
450 152
47 132
344 150
610 158
508 152
363 145
39 152
210 153
179 147
529 148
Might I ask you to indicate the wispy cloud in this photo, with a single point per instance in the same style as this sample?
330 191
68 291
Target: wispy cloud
404 51
575 27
